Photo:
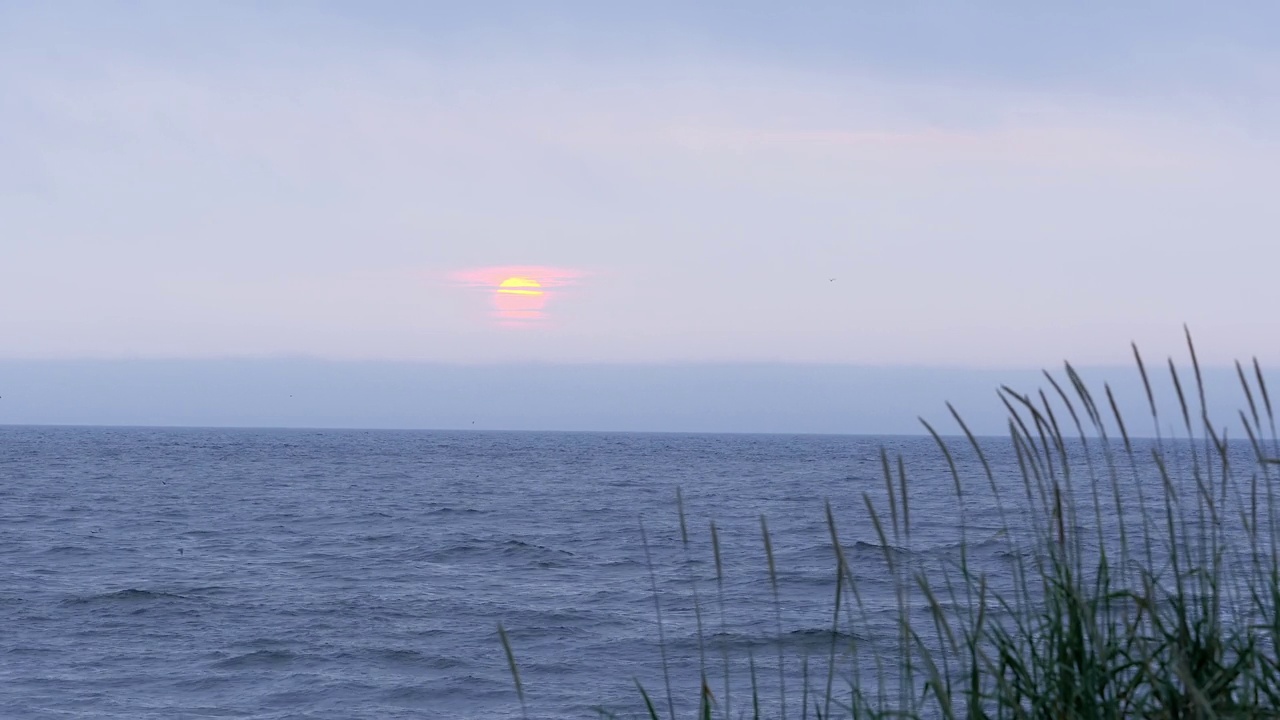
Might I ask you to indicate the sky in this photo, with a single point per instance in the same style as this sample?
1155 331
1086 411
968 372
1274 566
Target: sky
962 187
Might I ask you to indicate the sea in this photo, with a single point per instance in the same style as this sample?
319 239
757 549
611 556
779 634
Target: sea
346 574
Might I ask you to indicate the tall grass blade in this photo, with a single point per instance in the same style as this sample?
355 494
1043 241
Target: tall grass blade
777 608
515 670
657 609
724 627
648 702
693 583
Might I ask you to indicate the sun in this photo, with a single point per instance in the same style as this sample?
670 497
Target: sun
520 286
519 300
520 293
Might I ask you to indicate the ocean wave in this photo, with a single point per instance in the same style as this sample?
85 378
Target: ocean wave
69 550
401 657
258 659
209 589
804 637
125 596
860 547
510 548
513 546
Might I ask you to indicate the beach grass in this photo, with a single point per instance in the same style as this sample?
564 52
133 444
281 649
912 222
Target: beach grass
1141 576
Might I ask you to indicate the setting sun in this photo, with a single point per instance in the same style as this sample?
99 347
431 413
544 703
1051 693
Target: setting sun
519 293
519 300
520 286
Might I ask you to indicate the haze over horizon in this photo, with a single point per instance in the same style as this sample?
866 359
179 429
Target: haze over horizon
712 185
726 398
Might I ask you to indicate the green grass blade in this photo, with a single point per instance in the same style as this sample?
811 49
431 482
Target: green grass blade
515 670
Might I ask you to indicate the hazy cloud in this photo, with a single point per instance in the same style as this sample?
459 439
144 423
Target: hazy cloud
252 182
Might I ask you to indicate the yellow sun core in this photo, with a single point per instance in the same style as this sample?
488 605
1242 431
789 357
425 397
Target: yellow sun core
520 286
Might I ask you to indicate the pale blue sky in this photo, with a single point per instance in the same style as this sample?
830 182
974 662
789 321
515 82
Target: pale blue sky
993 185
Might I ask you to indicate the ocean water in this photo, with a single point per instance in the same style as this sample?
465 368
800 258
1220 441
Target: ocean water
200 573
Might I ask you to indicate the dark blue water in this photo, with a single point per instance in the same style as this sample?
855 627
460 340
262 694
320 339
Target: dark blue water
182 573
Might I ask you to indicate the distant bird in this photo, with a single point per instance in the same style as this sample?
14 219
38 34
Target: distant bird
831 279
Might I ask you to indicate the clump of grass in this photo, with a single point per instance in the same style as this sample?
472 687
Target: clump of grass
1143 575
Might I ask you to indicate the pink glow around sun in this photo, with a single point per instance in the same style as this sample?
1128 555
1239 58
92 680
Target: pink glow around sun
519 292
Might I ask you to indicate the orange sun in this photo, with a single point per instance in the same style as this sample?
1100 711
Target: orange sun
520 286
519 299
520 293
